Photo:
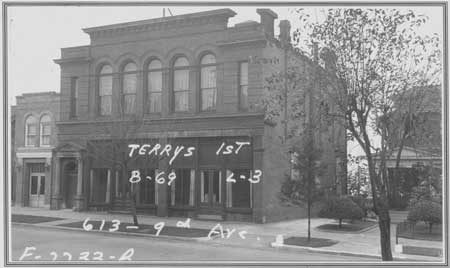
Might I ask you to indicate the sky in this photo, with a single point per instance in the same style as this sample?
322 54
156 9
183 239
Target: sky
37 33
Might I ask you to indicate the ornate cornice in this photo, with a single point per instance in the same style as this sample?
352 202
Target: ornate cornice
199 18
72 60
261 41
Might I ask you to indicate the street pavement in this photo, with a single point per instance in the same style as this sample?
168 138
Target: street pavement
61 244
258 236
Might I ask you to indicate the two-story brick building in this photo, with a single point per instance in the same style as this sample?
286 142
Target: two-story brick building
33 139
191 81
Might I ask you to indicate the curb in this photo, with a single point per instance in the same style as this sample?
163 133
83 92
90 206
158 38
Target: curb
63 228
341 253
346 232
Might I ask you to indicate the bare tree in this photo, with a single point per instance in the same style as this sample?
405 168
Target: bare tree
111 148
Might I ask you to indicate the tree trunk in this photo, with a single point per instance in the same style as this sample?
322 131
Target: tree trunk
340 223
133 209
309 219
384 222
381 207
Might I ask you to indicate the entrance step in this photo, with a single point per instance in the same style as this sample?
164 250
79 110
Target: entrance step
121 206
214 217
119 212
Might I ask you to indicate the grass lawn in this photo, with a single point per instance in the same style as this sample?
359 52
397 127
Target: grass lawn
32 219
313 243
354 226
143 228
421 231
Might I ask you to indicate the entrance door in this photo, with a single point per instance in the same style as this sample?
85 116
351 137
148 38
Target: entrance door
211 189
71 188
37 189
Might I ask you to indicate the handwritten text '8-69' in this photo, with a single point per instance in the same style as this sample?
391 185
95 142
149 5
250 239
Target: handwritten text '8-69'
254 177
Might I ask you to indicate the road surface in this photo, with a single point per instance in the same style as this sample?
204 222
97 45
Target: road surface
42 244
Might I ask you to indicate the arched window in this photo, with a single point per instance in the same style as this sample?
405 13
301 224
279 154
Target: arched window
105 90
181 84
154 86
208 90
46 130
30 131
129 87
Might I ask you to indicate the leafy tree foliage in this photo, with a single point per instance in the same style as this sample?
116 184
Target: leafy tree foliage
341 208
429 188
378 56
426 211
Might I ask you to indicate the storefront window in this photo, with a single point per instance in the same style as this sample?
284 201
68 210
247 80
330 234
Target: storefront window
239 193
210 187
182 188
147 190
98 185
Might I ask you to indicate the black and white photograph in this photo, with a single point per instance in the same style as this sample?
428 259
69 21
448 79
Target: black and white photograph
225 134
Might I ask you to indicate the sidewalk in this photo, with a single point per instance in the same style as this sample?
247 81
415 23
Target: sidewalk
251 234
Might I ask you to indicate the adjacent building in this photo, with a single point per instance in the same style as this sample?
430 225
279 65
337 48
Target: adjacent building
187 83
421 147
33 140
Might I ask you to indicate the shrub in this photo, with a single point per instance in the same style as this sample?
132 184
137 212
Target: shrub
427 211
364 203
341 208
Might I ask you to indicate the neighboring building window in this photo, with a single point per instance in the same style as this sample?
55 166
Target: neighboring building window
105 90
182 188
154 86
208 88
129 88
30 131
243 85
181 85
73 96
239 193
46 130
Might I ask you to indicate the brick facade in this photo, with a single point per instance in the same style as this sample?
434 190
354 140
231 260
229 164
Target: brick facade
34 159
191 36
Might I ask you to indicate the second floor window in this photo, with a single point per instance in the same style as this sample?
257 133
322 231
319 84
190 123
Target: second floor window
129 88
30 131
181 85
243 85
105 90
46 130
154 86
73 96
208 88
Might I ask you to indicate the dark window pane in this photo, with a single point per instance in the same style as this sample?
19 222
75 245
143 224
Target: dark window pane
216 187
205 186
241 189
147 188
98 194
183 185
34 185
42 186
